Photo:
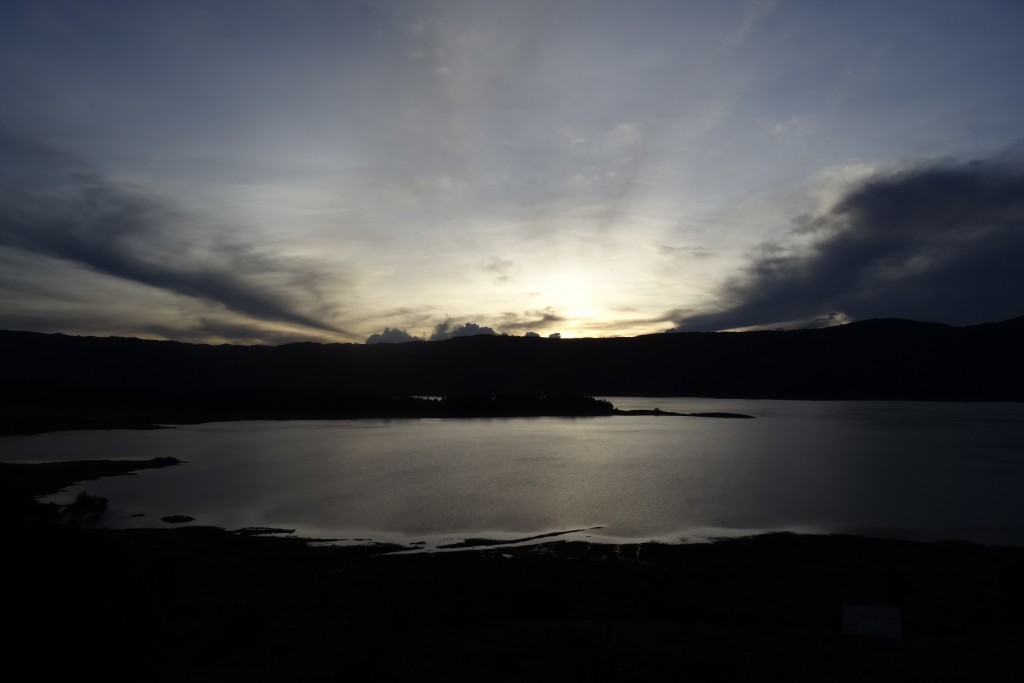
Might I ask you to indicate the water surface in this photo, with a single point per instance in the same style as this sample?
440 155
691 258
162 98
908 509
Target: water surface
903 469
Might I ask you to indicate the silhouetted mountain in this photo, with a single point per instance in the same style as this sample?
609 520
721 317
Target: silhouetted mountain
873 359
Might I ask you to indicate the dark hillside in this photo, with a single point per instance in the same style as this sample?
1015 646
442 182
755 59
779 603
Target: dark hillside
873 359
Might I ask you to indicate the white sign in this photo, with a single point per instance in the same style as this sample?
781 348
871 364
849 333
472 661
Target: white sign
867 620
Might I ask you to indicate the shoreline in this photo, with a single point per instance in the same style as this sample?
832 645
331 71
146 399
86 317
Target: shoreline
21 426
180 603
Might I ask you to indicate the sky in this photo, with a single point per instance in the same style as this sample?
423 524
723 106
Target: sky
264 172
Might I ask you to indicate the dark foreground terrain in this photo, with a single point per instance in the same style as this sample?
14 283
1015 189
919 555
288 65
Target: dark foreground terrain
204 604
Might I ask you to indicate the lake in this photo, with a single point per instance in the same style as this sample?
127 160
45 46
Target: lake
926 471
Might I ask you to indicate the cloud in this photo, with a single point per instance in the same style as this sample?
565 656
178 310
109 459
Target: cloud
53 205
686 252
391 336
501 269
445 330
941 242
790 124
511 322
211 330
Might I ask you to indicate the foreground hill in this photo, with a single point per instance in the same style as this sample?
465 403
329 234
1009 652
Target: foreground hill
873 359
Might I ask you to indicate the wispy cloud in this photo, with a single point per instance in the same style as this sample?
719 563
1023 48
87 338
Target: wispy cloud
207 329
502 270
530 320
941 241
686 252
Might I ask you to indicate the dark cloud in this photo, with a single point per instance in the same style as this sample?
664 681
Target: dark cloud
512 322
391 336
942 242
55 206
446 330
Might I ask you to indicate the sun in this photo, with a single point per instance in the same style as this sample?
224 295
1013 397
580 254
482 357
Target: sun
576 296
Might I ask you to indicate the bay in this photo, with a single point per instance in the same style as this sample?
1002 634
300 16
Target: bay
927 471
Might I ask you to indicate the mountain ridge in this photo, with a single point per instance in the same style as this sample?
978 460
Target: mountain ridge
870 359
